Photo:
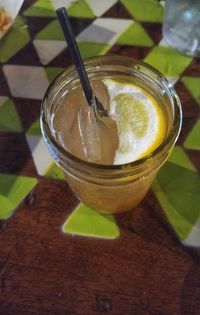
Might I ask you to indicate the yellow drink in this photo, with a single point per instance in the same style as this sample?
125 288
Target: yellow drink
115 179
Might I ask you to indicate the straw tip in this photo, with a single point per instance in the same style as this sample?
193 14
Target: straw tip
61 10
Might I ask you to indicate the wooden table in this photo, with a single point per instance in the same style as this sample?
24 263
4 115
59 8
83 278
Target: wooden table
146 270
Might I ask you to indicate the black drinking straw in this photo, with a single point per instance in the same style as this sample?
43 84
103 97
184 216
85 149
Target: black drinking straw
76 56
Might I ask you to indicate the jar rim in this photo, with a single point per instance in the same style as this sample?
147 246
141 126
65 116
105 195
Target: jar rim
168 142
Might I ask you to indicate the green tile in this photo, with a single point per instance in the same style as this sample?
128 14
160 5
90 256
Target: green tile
54 172
89 49
9 119
52 72
178 191
13 189
6 207
41 8
180 158
144 10
80 9
87 222
135 35
193 139
180 225
168 61
34 129
14 40
193 85
51 32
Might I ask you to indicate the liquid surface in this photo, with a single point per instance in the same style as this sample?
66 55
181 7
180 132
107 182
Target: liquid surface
134 128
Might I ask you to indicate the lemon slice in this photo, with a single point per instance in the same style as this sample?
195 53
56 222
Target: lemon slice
131 113
139 119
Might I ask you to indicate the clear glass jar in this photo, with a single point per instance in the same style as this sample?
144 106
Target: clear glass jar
181 25
112 188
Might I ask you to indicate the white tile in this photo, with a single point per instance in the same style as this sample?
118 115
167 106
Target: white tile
104 30
96 34
101 6
47 50
112 24
62 3
26 81
162 3
40 153
193 238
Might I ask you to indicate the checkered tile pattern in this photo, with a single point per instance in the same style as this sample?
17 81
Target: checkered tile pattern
34 52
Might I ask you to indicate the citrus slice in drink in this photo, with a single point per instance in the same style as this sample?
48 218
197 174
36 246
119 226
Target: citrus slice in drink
139 118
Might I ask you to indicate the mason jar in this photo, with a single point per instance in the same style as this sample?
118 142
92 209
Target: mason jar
103 187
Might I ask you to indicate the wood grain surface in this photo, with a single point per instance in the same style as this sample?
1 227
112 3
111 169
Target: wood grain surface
146 271
43 271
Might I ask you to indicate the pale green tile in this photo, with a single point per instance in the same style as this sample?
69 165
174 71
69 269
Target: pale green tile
41 8
180 158
87 222
193 85
52 72
178 191
80 9
180 225
6 207
54 172
9 119
13 189
34 129
135 35
14 40
193 139
144 10
89 49
51 32
168 61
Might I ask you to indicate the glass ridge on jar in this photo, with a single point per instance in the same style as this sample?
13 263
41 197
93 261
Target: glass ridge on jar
112 188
